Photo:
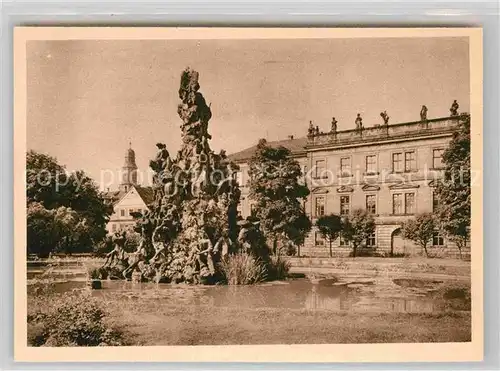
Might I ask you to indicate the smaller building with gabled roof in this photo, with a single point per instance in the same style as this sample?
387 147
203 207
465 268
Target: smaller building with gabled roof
129 198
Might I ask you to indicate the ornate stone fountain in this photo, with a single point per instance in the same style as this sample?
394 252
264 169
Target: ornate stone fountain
191 224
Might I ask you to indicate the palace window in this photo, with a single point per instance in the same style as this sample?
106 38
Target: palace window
371 164
397 162
437 158
437 239
371 241
371 205
318 239
410 161
320 168
345 207
409 203
113 227
122 212
345 165
397 203
403 203
319 206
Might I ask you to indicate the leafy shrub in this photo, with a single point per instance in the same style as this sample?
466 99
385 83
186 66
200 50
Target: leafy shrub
94 271
242 269
278 268
69 320
97 273
364 253
291 250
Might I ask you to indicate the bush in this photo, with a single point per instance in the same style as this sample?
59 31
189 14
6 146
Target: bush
278 268
243 269
96 273
69 320
291 250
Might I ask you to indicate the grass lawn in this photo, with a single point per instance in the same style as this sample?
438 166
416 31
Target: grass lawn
162 324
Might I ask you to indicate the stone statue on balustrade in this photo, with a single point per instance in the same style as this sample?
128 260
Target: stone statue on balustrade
423 113
454 108
310 130
333 129
359 122
385 117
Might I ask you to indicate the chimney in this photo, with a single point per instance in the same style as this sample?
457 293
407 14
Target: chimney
290 137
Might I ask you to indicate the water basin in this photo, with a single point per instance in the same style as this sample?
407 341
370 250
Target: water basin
340 293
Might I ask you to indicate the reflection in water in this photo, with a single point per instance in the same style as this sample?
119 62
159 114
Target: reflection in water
319 299
359 294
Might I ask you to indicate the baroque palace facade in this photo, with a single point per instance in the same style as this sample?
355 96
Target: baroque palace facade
390 170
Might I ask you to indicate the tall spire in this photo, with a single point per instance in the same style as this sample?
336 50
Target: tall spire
129 170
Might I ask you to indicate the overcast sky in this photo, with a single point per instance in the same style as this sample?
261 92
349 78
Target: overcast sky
88 99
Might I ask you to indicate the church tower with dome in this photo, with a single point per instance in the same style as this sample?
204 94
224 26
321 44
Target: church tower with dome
129 171
130 197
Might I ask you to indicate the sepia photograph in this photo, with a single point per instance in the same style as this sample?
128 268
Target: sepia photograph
251 187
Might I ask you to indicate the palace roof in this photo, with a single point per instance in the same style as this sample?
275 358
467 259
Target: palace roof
296 146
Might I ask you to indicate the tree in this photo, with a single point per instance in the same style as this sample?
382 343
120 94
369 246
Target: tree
330 227
43 177
275 186
79 207
41 231
454 190
54 230
72 231
420 230
83 196
357 227
66 224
